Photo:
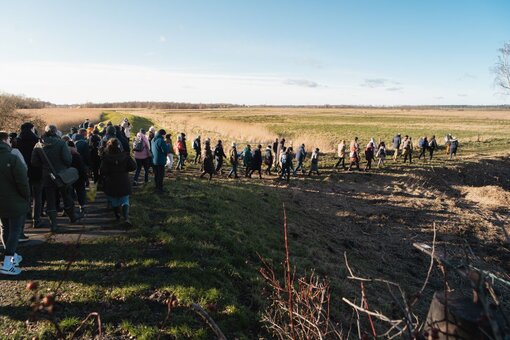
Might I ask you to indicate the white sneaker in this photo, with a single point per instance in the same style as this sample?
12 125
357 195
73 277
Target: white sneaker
16 259
8 267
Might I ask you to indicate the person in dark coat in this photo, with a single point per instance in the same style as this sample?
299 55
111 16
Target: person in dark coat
121 136
159 152
423 144
300 158
27 140
432 146
219 155
234 161
114 171
197 146
275 152
247 159
110 133
79 186
369 155
15 196
60 157
256 162
95 160
82 146
208 166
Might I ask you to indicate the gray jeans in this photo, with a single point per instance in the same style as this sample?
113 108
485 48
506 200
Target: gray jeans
11 230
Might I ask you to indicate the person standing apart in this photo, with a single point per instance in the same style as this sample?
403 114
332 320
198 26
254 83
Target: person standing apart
159 153
15 198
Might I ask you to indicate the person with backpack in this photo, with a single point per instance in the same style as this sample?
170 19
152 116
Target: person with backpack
170 156
397 141
182 151
354 156
256 163
143 157
381 154
285 158
268 160
197 146
423 144
369 155
247 159
300 158
53 155
114 171
159 152
219 155
234 160
432 146
15 198
314 167
341 155
208 163
95 159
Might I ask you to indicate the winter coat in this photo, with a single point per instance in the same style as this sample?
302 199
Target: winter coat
301 154
114 171
208 160
82 146
146 152
256 162
181 147
268 157
124 141
341 150
396 142
218 152
25 144
197 145
79 165
159 150
234 157
58 154
14 189
247 156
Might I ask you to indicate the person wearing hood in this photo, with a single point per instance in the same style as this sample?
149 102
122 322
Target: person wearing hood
142 150
15 196
26 142
234 161
219 155
208 163
197 146
159 153
58 153
114 171
79 186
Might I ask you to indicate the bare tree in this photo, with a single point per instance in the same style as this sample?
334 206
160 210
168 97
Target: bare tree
502 68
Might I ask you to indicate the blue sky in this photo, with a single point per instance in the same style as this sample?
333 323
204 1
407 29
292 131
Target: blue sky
254 52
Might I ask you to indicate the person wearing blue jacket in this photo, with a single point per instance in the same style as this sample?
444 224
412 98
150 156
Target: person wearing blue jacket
300 158
159 152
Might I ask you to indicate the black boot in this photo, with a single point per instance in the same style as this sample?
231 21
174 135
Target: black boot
116 212
53 220
73 216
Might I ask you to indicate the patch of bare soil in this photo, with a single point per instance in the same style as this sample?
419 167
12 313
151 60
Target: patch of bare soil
490 196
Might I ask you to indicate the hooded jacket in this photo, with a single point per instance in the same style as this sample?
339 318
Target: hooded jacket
26 143
14 189
114 170
159 150
58 154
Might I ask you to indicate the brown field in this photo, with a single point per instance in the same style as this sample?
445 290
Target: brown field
64 118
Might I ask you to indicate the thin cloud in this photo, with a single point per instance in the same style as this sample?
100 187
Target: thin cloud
302 83
394 89
162 39
462 95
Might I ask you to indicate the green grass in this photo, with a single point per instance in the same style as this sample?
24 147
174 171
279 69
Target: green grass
137 122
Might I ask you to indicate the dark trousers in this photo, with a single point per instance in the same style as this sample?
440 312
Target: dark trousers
341 160
233 171
299 166
36 188
219 164
431 153
51 197
410 155
81 192
422 153
198 156
11 231
159 175
145 164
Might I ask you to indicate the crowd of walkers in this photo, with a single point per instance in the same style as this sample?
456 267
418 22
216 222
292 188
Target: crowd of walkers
44 175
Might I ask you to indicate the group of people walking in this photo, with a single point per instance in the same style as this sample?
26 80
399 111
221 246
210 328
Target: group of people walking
41 176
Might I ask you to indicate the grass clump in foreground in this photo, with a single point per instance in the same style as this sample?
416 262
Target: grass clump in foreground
200 243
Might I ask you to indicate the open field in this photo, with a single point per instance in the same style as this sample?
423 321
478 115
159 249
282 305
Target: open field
201 241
